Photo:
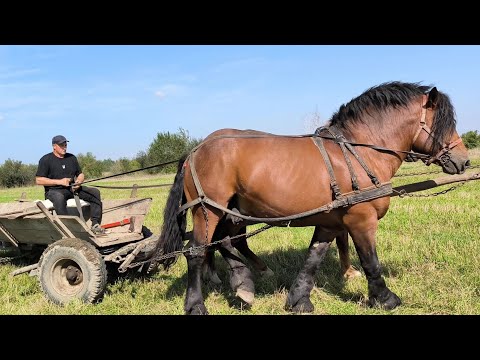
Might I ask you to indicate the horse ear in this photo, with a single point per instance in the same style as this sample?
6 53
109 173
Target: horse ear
432 98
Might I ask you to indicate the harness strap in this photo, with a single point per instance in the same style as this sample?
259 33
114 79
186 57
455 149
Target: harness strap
370 174
442 155
341 200
379 148
347 199
333 182
189 205
79 206
353 176
343 143
199 188
423 124
77 201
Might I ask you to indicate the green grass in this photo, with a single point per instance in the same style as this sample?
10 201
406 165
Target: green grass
428 248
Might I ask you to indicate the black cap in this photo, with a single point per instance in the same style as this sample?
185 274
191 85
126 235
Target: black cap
59 139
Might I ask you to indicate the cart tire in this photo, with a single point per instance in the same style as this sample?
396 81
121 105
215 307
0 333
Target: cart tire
72 269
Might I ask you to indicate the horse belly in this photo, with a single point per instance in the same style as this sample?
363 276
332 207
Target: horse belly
282 190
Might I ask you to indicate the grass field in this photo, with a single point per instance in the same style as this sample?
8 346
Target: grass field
428 246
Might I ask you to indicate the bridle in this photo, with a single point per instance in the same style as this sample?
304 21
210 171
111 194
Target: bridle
443 155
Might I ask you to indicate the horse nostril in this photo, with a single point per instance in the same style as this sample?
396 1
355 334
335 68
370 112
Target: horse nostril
467 163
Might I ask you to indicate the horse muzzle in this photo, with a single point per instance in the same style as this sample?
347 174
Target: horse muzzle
452 165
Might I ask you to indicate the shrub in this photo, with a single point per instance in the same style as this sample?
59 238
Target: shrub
14 174
471 139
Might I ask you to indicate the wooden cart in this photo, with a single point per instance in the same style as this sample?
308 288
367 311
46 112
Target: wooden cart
73 260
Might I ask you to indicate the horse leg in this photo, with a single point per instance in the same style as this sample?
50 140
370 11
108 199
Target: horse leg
209 272
240 243
242 246
194 304
241 278
298 299
378 292
348 271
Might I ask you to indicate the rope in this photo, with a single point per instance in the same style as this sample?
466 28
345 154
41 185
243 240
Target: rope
128 172
130 187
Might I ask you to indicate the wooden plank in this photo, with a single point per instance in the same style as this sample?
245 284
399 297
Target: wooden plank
6 235
53 218
116 210
429 184
32 231
16 208
77 227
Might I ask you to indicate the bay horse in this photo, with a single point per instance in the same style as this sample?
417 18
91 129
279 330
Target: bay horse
241 278
337 180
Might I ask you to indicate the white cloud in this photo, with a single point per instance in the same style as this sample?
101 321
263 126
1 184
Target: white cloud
170 90
9 73
160 94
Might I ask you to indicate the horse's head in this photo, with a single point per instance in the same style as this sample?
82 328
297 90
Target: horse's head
437 135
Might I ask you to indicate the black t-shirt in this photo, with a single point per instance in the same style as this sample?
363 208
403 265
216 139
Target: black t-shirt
53 167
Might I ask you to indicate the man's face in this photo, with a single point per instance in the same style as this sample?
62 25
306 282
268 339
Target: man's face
60 149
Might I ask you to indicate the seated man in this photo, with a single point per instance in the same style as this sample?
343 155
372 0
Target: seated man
57 171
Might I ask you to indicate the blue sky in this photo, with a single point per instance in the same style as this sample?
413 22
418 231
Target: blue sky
113 100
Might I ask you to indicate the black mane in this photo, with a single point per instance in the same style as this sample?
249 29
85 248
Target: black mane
396 94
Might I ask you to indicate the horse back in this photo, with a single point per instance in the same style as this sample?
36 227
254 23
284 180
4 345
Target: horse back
268 175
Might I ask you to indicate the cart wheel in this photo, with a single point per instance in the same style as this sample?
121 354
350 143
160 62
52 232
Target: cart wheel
72 269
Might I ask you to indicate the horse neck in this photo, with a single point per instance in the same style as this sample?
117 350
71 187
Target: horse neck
395 130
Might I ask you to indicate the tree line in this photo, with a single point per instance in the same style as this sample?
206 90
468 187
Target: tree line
164 148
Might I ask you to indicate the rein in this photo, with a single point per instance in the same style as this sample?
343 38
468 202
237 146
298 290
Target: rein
125 173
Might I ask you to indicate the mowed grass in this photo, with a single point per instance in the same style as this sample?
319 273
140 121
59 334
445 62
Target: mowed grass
428 246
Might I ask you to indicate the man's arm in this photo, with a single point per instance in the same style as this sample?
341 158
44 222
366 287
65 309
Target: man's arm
40 180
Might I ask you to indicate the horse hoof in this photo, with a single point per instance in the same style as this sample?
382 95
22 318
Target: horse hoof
245 295
268 273
198 310
351 273
302 306
391 302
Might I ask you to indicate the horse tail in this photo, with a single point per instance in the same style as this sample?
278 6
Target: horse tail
174 224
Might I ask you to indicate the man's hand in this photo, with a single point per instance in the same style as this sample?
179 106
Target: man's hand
64 182
80 178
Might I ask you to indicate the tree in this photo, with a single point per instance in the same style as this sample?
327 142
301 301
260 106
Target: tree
14 173
90 166
169 147
124 165
471 139
141 158
107 165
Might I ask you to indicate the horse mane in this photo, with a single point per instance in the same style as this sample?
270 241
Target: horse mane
396 94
